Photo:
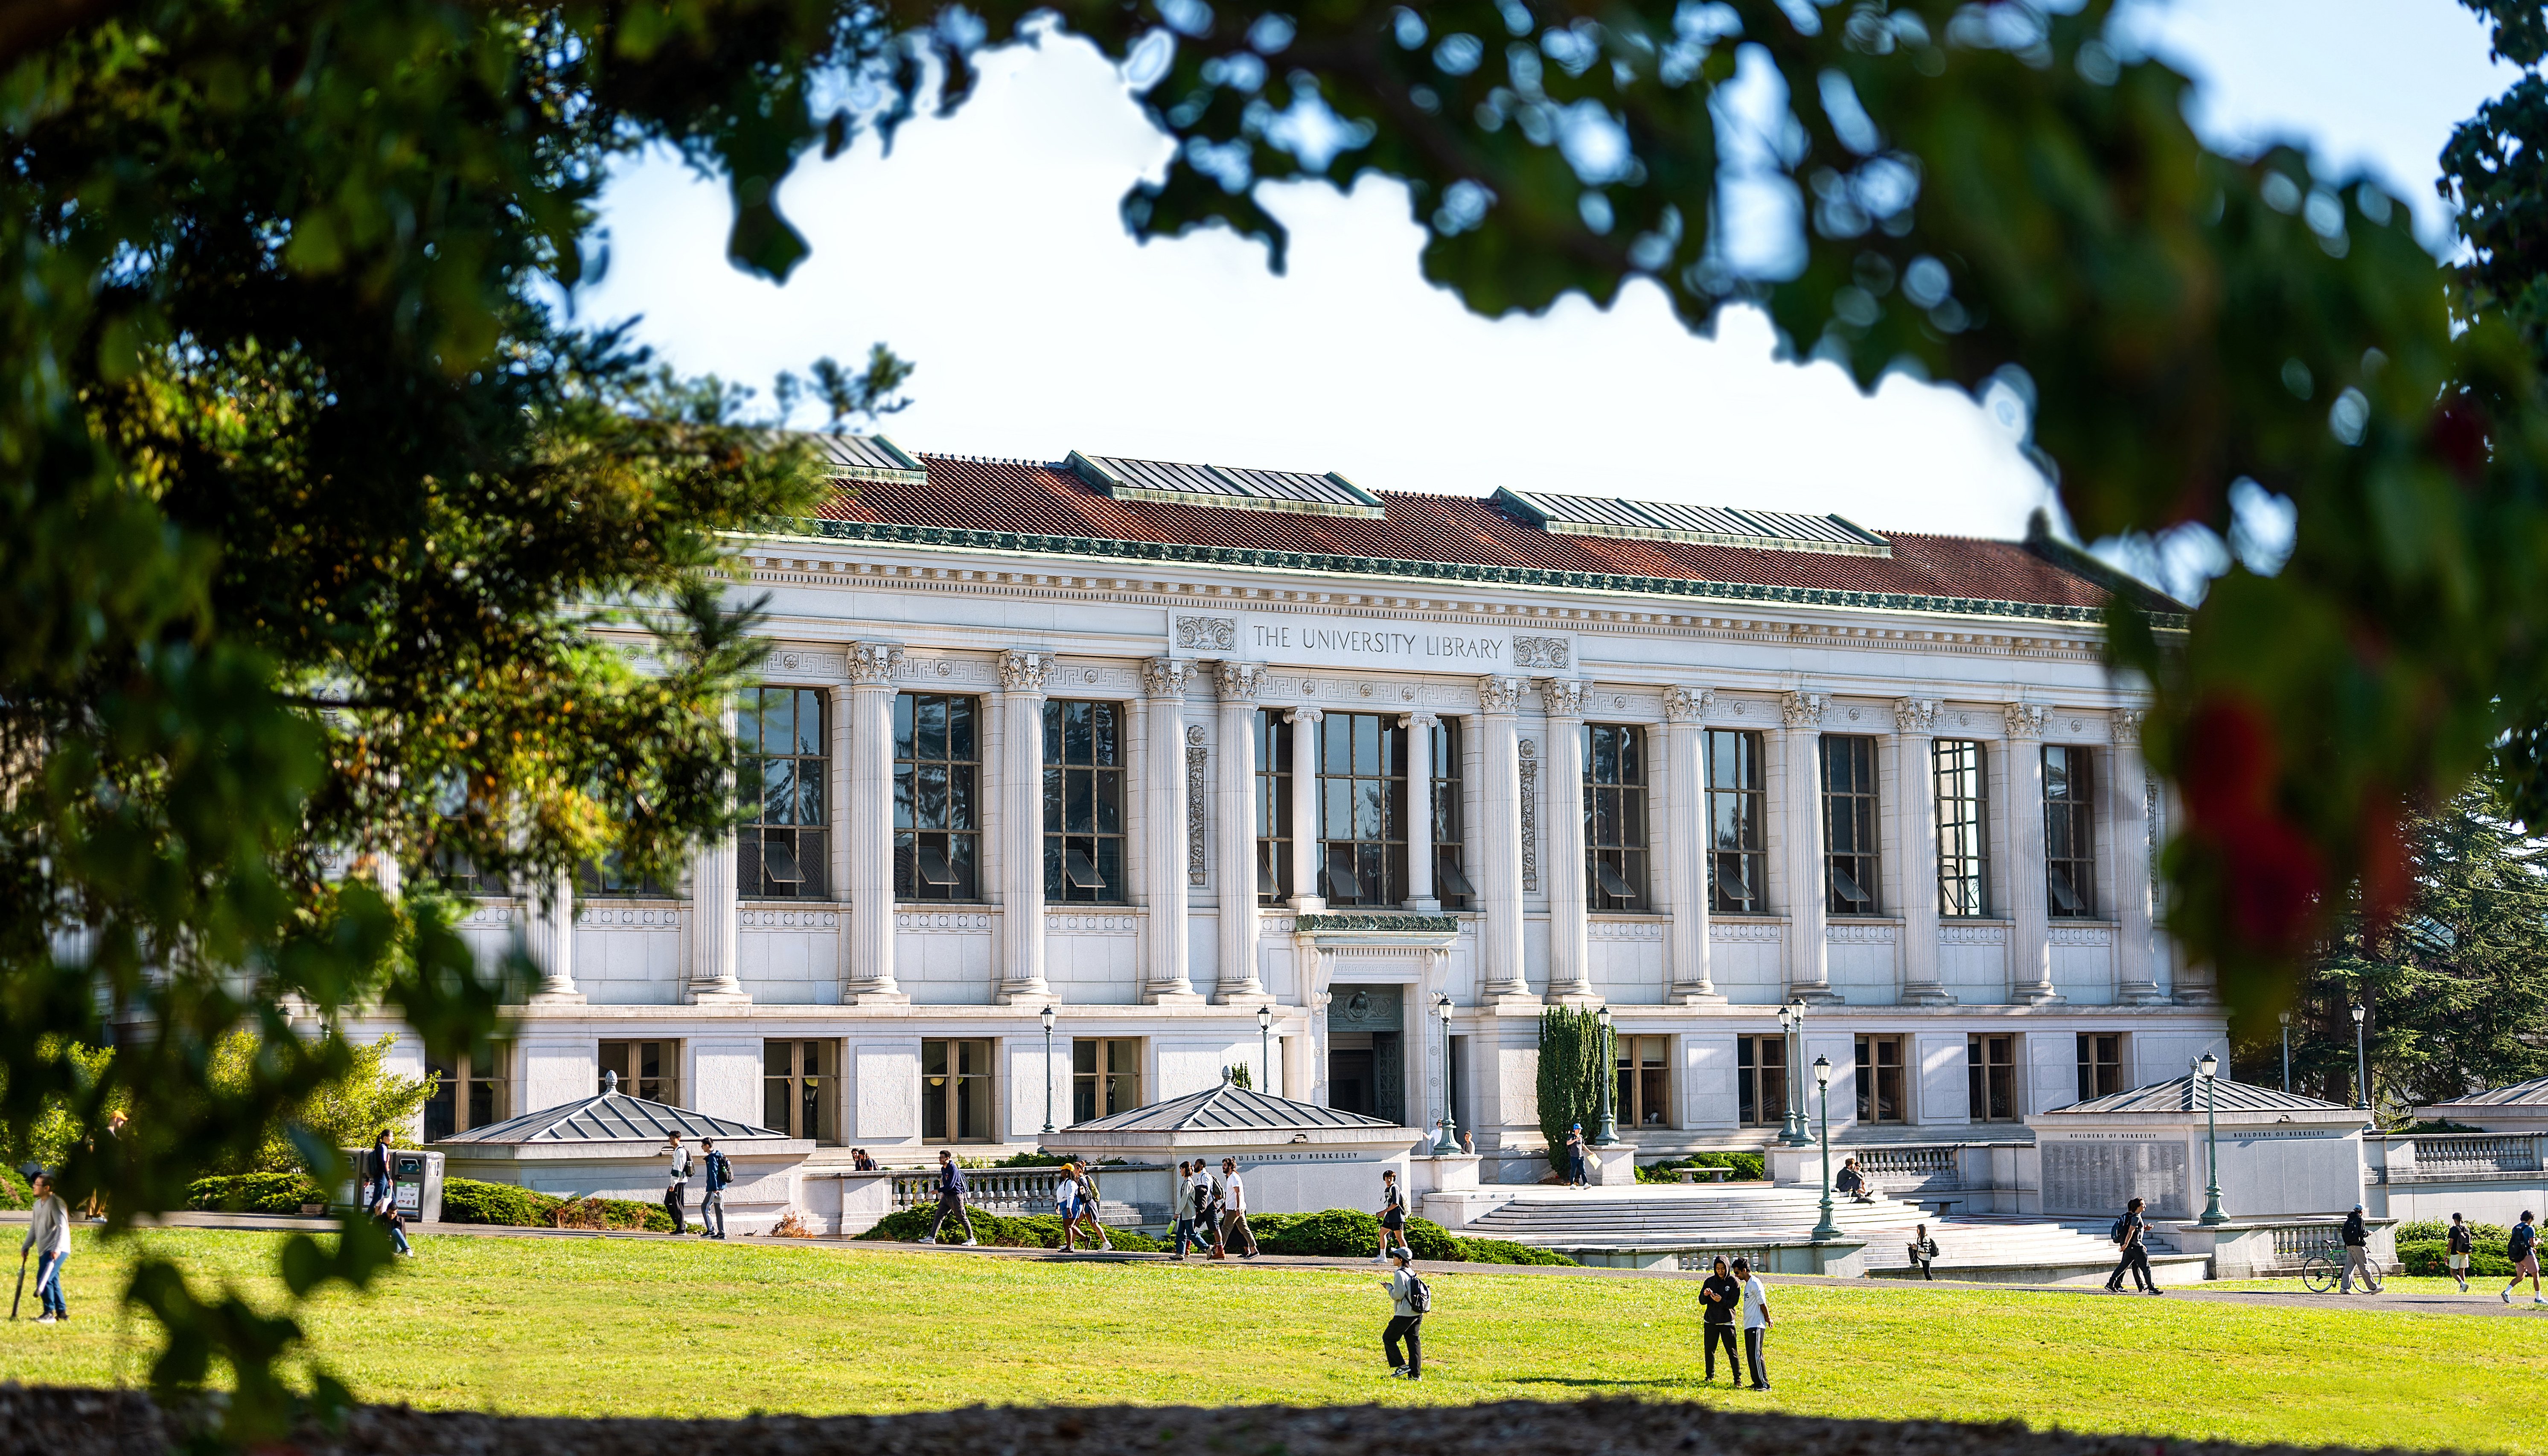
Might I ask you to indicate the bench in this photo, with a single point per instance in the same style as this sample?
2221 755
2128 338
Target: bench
1717 1174
1945 1206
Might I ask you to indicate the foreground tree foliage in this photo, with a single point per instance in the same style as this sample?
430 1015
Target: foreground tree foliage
307 497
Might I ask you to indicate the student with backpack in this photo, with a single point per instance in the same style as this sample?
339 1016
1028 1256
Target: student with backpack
2463 1243
2128 1234
2356 1236
720 1174
1410 1300
1184 1212
1924 1251
1393 1214
677 1181
950 1202
2523 1249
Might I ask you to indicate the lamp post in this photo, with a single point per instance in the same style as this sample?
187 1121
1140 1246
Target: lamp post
2285 1018
1791 1019
2212 1213
1609 1134
1446 1144
1265 1049
2361 1062
1822 1079
1048 1067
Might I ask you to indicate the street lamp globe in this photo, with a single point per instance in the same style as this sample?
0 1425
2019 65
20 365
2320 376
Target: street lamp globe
2210 1066
2359 1013
1822 1071
2284 1017
1442 1006
1264 1018
1047 1016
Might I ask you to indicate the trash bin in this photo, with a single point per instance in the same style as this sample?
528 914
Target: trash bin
416 1181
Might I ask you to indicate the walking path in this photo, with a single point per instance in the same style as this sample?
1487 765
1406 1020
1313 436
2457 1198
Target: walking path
2480 1300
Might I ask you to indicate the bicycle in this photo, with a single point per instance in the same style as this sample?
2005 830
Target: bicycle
2324 1270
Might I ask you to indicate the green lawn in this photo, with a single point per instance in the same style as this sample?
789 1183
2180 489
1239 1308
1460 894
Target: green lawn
654 1327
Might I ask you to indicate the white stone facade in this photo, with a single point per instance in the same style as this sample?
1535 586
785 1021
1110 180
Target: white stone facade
1190 654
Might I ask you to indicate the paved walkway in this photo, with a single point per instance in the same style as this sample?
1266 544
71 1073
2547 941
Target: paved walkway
2481 1301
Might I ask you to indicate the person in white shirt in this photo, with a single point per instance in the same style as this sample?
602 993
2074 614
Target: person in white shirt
1234 1232
49 1236
675 1182
1756 1322
1404 1320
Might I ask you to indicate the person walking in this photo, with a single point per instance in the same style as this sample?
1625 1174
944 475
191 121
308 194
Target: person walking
1578 1158
720 1175
48 1235
380 1194
676 1182
951 1201
1234 1232
1208 1209
1409 1298
1756 1322
1722 1297
1924 1251
2357 1254
2131 1235
2523 1249
1393 1214
1087 1206
96 1209
2463 1243
1065 1202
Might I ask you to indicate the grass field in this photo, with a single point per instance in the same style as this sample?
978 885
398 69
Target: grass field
654 1327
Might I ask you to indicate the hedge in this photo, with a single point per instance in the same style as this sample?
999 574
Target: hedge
468 1201
1749 1167
254 1193
2434 1230
2431 1256
1333 1234
15 1193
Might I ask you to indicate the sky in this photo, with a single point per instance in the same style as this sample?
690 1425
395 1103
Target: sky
988 250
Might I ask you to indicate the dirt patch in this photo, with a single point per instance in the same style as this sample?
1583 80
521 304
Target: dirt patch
81 1422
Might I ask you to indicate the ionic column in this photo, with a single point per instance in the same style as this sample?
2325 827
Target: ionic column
2127 815
1570 955
1305 898
869 836
714 911
2030 931
1021 826
1498 866
1163 830
1808 953
1915 722
1685 832
549 938
1420 812
1234 827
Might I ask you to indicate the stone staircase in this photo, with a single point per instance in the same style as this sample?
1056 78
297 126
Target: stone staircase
1989 1248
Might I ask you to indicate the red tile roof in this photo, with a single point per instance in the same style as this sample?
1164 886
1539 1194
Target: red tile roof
965 495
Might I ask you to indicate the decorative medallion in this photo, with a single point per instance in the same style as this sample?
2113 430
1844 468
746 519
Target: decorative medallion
1540 652
1208 634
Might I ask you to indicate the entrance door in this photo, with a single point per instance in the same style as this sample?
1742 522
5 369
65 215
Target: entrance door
1367 1051
1351 1081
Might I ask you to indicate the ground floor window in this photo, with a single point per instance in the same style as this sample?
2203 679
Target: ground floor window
1990 1077
648 1070
798 1090
956 1091
1879 1080
1105 1077
1644 1077
471 1090
1760 1080
2101 1064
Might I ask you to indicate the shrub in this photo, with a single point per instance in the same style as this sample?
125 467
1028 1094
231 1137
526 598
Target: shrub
1430 1240
468 1201
608 1213
2435 1231
1505 1251
1270 1226
1749 1167
254 1193
2432 1257
1039 1231
1571 1072
1331 1233
14 1191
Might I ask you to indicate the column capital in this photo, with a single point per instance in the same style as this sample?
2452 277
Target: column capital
1804 709
1238 681
1498 694
1305 713
1562 698
1915 715
2126 723
1419 718
1025 672
1166 678
2025 719
1689 704
875 664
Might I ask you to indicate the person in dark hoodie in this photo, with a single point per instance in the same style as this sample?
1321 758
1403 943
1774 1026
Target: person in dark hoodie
1723 1299
2357 1254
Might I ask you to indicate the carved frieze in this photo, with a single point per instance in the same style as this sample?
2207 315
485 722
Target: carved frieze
1540 652
1529 816
1195 756
1208 634
1741 932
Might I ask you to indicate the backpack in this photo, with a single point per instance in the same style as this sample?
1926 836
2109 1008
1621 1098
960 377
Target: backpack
2517 1246
1420 1295
721 1172
2115 1235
